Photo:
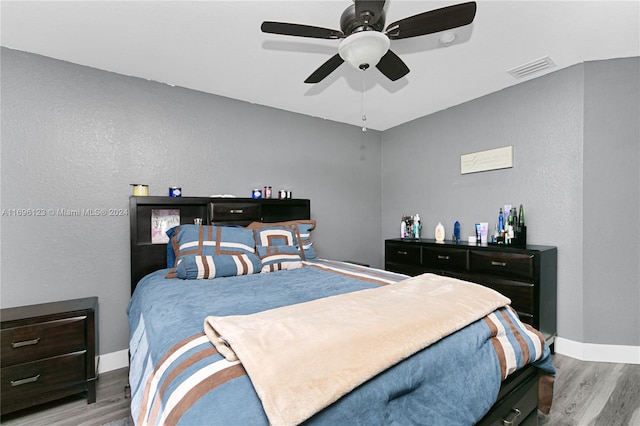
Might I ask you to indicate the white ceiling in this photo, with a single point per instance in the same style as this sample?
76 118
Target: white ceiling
217 47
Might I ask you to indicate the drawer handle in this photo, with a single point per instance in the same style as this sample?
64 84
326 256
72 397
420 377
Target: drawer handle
441 257
494 263
25 381
236 211
402 252
515 413
25 343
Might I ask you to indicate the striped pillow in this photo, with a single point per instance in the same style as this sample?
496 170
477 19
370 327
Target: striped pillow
304 241
278 258
274 236
195 240
209 267
301 230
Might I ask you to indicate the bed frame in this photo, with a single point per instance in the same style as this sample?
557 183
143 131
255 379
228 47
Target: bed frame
518 397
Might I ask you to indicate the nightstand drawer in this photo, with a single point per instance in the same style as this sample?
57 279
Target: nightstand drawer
48 352
43 340
402 253
445 259
28 379
512 265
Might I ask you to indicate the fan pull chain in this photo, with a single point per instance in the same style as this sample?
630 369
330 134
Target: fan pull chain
364 114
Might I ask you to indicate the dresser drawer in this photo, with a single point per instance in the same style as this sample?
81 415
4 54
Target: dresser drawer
526 275
444 258
31 378
521 295
43 340
232 212
402 253
513 265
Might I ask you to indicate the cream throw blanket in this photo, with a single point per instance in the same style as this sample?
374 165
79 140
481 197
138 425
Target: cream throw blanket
301 358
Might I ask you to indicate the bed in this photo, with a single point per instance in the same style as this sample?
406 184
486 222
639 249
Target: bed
190 307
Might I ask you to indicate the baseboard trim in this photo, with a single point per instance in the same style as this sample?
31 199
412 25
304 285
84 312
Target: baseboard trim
112 361
599 353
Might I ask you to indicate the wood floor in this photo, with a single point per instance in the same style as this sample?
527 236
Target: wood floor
586 394
594 394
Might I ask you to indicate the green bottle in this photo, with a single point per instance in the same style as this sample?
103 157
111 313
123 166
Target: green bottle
521 216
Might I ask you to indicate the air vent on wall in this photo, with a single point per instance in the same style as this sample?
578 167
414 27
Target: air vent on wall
532 67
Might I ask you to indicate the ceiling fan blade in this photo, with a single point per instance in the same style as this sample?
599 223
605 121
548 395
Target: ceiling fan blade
300 30
433 21
369 11
325 69
392 66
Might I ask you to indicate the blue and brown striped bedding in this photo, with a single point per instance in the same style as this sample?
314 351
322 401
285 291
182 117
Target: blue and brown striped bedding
177 376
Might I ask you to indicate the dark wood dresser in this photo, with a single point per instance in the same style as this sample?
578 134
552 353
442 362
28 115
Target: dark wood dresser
48 352
526 275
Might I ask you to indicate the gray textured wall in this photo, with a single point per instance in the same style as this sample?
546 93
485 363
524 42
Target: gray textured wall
564 127
612 202
75 137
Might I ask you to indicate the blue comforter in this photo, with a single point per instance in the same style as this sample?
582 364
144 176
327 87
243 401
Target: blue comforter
177 377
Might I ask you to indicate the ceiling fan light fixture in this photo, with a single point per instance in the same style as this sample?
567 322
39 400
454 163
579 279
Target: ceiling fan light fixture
447 38
364 49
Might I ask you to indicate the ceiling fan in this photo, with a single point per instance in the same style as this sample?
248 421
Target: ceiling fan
365 44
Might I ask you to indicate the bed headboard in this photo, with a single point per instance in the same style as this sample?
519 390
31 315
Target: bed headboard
148 254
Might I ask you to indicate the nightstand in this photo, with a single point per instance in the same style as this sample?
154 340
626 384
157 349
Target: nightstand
48 352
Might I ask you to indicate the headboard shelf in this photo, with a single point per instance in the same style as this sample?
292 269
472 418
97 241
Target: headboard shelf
147 256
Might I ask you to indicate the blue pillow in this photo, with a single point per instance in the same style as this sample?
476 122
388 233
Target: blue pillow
301 231
171 256
304 240
277 258
197 240
208 267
